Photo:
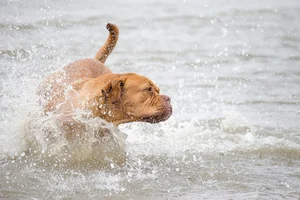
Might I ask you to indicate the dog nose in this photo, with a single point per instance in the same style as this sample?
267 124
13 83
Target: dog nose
167 98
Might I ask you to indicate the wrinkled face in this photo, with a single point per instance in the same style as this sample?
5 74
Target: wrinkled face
131 97
143 102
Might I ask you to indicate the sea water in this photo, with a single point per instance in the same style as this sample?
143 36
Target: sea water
230 67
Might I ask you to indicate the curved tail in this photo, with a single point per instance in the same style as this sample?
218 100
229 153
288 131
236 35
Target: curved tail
110 43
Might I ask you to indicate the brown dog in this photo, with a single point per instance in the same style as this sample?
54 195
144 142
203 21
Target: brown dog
89 85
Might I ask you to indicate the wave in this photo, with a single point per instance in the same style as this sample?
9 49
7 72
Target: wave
232 133
287 103
43 138
95 142
17 53
18 27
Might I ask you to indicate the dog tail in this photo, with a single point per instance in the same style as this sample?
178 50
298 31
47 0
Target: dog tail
110 43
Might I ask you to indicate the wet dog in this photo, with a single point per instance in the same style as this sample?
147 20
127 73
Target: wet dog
117 98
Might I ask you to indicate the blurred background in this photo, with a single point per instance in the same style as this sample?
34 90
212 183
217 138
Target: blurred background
231 67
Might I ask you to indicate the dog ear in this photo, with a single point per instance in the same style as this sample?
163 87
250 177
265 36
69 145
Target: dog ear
106 90
117 90
114 90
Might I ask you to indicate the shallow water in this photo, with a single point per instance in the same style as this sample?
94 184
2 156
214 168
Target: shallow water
230 67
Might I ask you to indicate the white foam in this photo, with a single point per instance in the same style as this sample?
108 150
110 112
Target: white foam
175 138
45 134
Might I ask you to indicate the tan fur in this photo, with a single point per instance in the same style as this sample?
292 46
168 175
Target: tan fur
110 43
89 85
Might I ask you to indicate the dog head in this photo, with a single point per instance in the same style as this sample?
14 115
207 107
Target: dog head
123 98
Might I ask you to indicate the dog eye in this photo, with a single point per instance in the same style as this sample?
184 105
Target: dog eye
149 89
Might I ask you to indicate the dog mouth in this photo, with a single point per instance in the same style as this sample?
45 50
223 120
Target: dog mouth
161 116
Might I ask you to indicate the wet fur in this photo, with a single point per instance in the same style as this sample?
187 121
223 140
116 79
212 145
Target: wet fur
117 98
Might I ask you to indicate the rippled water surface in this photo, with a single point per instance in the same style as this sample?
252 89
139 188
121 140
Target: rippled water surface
232 69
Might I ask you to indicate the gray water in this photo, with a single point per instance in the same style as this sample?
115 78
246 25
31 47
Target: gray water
231 67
